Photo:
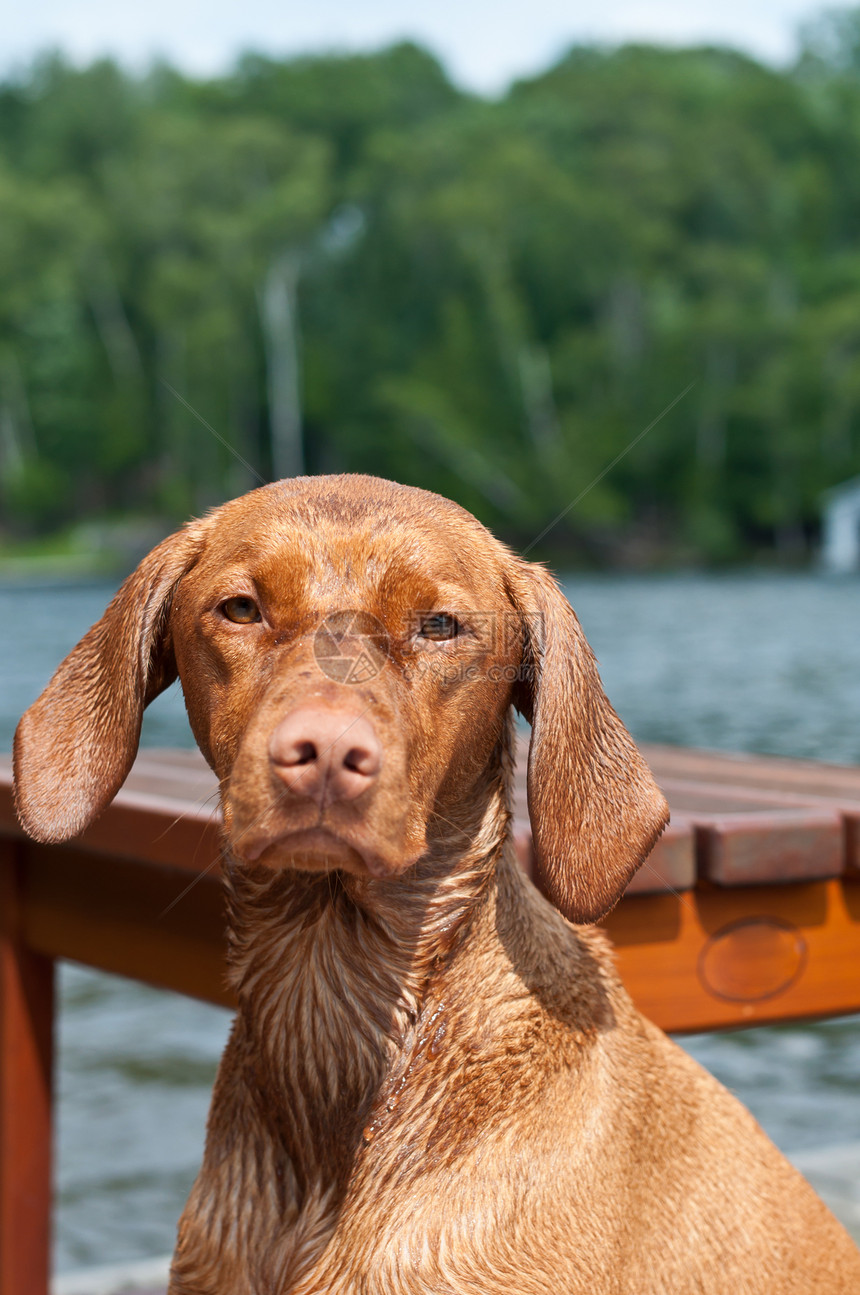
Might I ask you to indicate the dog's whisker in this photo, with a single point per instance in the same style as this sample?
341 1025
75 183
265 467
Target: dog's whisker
664 885
462 832
200 803
198 878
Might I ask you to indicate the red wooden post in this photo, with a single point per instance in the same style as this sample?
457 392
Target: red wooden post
26 1039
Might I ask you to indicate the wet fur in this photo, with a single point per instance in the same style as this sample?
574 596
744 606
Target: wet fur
435 1084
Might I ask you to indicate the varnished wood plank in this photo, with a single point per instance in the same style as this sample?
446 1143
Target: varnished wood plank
773 848
176 831
671 865
142 920
767 772
152 829
739 820
705 799
26 1047
721 959
696 796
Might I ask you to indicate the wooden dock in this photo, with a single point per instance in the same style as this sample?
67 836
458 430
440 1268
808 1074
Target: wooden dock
746 913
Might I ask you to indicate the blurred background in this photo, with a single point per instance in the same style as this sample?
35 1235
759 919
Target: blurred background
599 266
352 262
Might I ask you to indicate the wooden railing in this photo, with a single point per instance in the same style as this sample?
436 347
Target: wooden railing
746 913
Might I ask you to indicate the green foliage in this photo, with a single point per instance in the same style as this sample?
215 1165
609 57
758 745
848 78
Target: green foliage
348 260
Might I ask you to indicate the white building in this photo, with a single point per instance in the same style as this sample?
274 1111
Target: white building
840 527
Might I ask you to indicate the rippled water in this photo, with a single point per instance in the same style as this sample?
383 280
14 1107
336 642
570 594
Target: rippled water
743 662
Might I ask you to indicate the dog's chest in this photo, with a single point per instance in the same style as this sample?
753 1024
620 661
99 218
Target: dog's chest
432 1201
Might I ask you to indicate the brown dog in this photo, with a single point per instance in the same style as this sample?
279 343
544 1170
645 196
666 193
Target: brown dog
434 1083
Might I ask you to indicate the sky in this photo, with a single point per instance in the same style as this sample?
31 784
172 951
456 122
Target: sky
483 43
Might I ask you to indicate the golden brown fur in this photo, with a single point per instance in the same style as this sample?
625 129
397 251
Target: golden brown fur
435 1085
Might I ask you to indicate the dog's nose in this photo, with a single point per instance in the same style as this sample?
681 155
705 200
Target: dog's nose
326 755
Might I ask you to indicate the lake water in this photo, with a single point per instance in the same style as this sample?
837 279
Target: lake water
755 662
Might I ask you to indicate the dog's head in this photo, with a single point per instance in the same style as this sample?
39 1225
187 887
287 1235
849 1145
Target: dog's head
348 650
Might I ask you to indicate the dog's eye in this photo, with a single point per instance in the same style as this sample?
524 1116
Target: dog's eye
242 611
440 627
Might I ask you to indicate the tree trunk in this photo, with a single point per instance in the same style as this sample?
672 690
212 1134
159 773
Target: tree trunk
278 317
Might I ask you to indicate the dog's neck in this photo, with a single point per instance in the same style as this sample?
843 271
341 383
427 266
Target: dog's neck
334 973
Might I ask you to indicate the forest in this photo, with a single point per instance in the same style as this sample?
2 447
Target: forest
628 288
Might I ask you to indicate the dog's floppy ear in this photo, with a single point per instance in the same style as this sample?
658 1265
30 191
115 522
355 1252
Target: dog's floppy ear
595 809
75 745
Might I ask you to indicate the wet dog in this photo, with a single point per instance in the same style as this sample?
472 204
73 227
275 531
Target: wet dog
435 1082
